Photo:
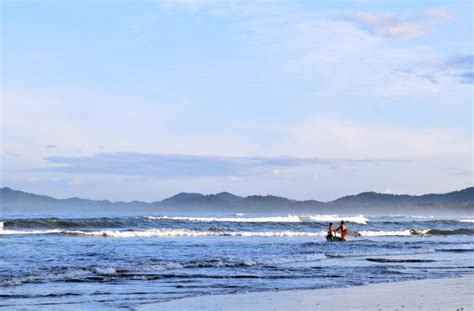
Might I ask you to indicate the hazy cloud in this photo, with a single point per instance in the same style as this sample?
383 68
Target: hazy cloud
178 166
13 154
466 77
459 171
461 61
460 67
426 76
440 14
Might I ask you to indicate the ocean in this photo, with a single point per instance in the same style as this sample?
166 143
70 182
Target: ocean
117 263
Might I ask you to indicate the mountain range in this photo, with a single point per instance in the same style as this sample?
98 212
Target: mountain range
16 201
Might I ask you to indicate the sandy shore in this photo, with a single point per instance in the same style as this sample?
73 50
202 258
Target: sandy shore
441 294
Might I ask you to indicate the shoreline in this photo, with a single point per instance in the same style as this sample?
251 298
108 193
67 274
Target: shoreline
429 294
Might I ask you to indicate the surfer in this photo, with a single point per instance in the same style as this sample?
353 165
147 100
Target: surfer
331 233
343 230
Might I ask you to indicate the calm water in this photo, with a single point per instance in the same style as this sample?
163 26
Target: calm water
91 263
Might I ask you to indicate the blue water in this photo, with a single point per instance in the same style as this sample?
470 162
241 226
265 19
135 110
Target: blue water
121 262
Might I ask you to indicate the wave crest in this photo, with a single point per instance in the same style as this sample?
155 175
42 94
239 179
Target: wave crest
461 231
53 222
360 219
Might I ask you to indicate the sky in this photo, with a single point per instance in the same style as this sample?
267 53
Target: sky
140 100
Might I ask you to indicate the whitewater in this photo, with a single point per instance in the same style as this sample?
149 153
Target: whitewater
290 218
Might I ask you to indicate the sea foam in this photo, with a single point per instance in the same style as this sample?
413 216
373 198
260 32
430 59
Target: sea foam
191 233
11 232
385 233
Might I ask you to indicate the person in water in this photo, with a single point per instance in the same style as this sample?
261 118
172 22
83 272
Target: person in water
331 233
343 230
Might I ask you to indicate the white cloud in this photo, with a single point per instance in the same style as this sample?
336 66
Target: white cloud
192 5
386 25
336 137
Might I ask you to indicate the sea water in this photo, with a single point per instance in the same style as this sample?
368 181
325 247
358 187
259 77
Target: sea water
120 262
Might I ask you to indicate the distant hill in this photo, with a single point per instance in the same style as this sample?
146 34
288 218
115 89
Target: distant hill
184 198
15 201
464 196
19 201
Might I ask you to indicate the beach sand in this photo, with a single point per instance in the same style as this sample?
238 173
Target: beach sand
440 294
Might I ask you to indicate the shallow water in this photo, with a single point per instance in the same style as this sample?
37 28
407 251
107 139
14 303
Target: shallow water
119 262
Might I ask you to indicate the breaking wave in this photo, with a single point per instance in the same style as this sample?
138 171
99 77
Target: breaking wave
462 231
385 233
166 233
29 232
417 232
290 218
213 232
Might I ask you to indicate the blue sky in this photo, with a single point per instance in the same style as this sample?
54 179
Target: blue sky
140 100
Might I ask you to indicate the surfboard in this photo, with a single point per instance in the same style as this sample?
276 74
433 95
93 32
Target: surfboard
353 233
349 233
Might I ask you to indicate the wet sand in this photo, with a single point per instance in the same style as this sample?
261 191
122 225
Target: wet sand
441 294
